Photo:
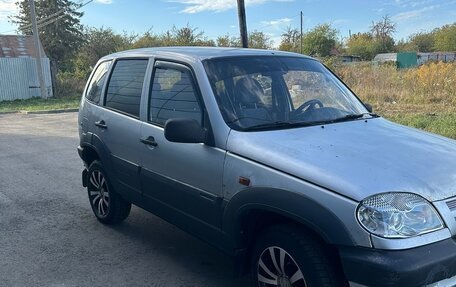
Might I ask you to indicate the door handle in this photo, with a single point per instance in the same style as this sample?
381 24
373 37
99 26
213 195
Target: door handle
150 140
101 124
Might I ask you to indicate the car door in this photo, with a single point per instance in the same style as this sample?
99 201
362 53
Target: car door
119 125
91 101
181 177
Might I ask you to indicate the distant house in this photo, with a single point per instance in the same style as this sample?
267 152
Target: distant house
386 57
344 58
18 74
350 58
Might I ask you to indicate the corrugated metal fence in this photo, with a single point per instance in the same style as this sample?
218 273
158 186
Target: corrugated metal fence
19 80
436 56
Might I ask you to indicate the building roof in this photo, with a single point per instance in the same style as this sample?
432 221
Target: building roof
199 53
384 57
16 46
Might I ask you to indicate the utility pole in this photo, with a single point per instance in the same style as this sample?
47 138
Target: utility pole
301 30
38 56
243 24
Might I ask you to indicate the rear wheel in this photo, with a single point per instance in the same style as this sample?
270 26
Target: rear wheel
108 207
286 256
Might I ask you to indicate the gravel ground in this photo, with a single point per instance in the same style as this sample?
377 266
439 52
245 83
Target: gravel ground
49 236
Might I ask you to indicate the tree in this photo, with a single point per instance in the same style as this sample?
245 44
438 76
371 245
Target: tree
185 36
99 42
320 40
291 40
378 40
259 40
445 38
147 40
361 44
228 41
419 42
382 31
423 42
60 31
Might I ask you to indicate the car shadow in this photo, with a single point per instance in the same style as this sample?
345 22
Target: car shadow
179 249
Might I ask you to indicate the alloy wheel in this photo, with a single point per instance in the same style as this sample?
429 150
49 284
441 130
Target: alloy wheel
99 194
276 267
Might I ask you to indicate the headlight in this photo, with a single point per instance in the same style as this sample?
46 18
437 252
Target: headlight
398 215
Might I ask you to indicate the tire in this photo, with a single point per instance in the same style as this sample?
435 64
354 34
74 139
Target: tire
108 207
307 261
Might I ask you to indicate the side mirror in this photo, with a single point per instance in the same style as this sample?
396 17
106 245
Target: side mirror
368 107
184 131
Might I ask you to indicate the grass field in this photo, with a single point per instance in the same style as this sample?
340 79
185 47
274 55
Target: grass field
37 104
423 97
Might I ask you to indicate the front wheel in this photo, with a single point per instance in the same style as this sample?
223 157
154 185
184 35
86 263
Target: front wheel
108 207
285 256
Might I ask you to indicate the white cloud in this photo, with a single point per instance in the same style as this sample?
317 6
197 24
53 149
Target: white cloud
412 3
405 16
197 6
7 8
277 22
104 1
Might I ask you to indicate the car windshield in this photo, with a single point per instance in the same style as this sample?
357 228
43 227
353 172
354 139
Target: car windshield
270 92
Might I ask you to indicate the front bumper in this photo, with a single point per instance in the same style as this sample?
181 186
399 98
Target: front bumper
419 266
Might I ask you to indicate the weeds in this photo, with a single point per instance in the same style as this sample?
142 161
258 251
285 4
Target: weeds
423 97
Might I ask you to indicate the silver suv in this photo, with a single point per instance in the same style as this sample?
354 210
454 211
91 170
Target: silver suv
268 156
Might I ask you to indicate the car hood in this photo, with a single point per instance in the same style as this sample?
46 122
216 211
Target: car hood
357 158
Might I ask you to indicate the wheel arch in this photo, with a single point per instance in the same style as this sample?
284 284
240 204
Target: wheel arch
94 150
88 154
252 210
251 203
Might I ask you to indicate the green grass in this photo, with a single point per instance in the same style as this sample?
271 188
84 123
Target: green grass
443 124
38 104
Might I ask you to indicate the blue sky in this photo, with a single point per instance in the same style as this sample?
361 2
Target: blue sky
219 17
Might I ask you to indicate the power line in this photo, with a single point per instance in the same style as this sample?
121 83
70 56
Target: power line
50 19
41 24
44 19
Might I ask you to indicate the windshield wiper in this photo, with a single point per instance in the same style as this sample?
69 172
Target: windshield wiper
277 125
352 117
287 125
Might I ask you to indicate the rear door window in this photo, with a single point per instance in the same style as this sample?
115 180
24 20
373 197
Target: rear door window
125 86
97 82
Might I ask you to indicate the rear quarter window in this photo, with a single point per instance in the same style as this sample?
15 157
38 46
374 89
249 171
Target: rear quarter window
97 81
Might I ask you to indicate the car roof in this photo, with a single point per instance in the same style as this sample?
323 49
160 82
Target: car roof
198 53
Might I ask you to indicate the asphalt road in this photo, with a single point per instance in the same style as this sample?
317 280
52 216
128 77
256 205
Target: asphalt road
49 236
